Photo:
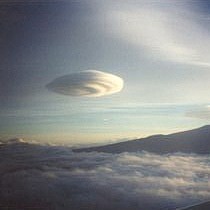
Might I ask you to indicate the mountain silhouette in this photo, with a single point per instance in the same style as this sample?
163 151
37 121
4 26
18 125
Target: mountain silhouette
192 141
203 206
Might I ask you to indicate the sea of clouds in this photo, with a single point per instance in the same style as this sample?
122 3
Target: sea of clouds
53 177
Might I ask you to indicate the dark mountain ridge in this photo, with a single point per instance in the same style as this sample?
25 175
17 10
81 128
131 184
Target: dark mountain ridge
202 206
192 141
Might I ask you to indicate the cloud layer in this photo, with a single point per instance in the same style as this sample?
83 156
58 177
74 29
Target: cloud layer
200 113
52 177
90 83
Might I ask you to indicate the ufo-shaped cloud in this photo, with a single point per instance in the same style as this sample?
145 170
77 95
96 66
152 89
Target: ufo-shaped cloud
89 83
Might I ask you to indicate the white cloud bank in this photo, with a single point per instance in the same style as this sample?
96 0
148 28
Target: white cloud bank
90 83
50 177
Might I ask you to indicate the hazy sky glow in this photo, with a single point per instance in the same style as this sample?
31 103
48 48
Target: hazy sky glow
159 49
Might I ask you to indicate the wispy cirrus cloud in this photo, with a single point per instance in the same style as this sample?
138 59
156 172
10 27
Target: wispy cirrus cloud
90 83
171 32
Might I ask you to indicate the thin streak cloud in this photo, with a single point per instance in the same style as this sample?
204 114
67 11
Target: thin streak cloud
200 113
89 83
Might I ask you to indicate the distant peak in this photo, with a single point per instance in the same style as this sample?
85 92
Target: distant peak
205 127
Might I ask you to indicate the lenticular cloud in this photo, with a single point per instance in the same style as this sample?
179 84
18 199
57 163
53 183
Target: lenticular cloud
90 83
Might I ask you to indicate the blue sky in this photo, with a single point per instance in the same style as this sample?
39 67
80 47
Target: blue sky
159 48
